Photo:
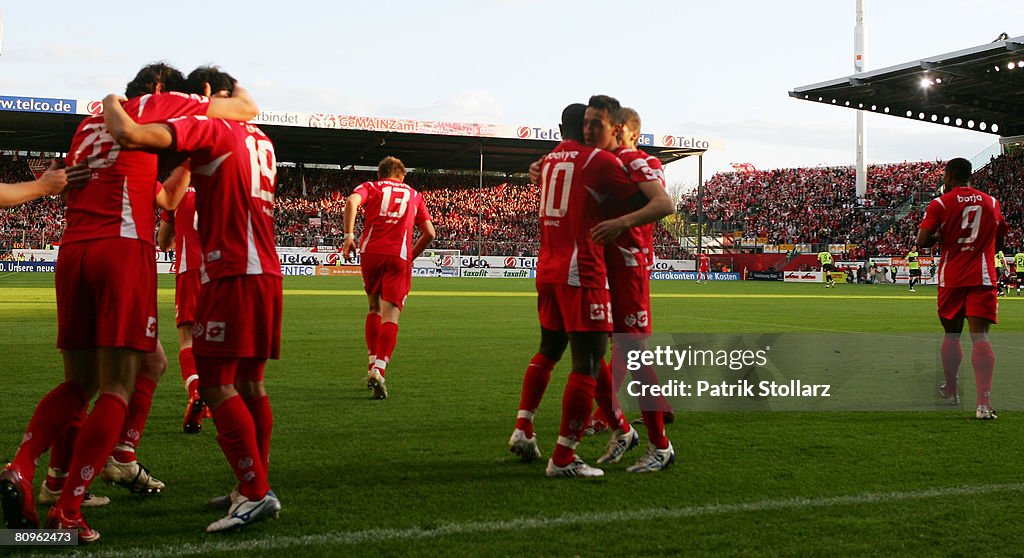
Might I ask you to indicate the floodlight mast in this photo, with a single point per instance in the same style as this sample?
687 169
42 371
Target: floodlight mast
862 133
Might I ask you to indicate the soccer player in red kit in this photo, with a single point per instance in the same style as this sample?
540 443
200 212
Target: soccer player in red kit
970 227
392 209
577 184
238 314
178 232
630 260
106 304
703 268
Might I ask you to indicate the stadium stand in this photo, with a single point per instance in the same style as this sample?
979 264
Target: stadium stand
809 205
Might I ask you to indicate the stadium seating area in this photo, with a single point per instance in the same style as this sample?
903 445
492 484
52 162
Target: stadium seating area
784 206
817 205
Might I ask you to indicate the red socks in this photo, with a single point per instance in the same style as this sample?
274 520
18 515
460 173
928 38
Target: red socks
984 361
95 440
386 339
577 402
55 411
535 382
135 424
188 372
608 401
61 450
236 434
263 418
372 332
952 354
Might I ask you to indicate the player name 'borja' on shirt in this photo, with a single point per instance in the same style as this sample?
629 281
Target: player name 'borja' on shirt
234 194
119 202
577 182
969 222
391 209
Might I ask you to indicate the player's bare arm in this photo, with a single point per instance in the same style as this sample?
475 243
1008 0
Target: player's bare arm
239 106
174 187
427 235
165 236
130 134
535 171
54 181
658 206
348 248
927 238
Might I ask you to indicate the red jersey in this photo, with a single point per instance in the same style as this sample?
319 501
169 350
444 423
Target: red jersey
391 209
704 261
577 183
635 246
188 253
119 200
234 173
969 222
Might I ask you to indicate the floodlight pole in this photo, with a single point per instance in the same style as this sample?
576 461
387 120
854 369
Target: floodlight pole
862 133
479 208
700 201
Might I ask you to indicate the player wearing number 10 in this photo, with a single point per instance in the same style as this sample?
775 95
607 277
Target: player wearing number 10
238 314
392 209
970 226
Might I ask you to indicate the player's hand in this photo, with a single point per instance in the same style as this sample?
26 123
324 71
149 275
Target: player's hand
54 179
348 249
114 98
607 231
535 172
78 176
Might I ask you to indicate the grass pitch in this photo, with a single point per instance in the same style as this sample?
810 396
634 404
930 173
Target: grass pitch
427 471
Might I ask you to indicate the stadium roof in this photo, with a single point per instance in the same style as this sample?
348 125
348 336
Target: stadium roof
346 140
980 89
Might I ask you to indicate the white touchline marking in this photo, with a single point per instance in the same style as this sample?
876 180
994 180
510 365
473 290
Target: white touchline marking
339 538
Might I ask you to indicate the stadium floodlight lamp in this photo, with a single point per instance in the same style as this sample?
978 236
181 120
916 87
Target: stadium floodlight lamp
995 128
938 80
1011 66
926 83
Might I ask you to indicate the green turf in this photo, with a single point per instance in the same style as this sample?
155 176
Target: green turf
427 472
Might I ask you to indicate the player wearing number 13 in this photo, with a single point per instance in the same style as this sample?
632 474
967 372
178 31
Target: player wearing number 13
238 313
970 226
392 209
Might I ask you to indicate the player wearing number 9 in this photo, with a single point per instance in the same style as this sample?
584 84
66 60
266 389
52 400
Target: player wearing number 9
970 227
392 209
238 314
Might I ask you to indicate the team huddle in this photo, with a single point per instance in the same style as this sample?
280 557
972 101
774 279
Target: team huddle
599 199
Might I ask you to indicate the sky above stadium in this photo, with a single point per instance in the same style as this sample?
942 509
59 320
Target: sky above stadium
711 69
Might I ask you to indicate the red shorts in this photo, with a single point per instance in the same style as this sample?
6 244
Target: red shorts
106 295
390 276
186 291
573 309
224 371
978 302
631 299
239 317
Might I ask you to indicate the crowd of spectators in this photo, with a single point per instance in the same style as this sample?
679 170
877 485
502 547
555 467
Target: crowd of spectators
35 224
785 206
813 205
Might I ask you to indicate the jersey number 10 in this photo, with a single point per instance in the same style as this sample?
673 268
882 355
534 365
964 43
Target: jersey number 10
556 182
